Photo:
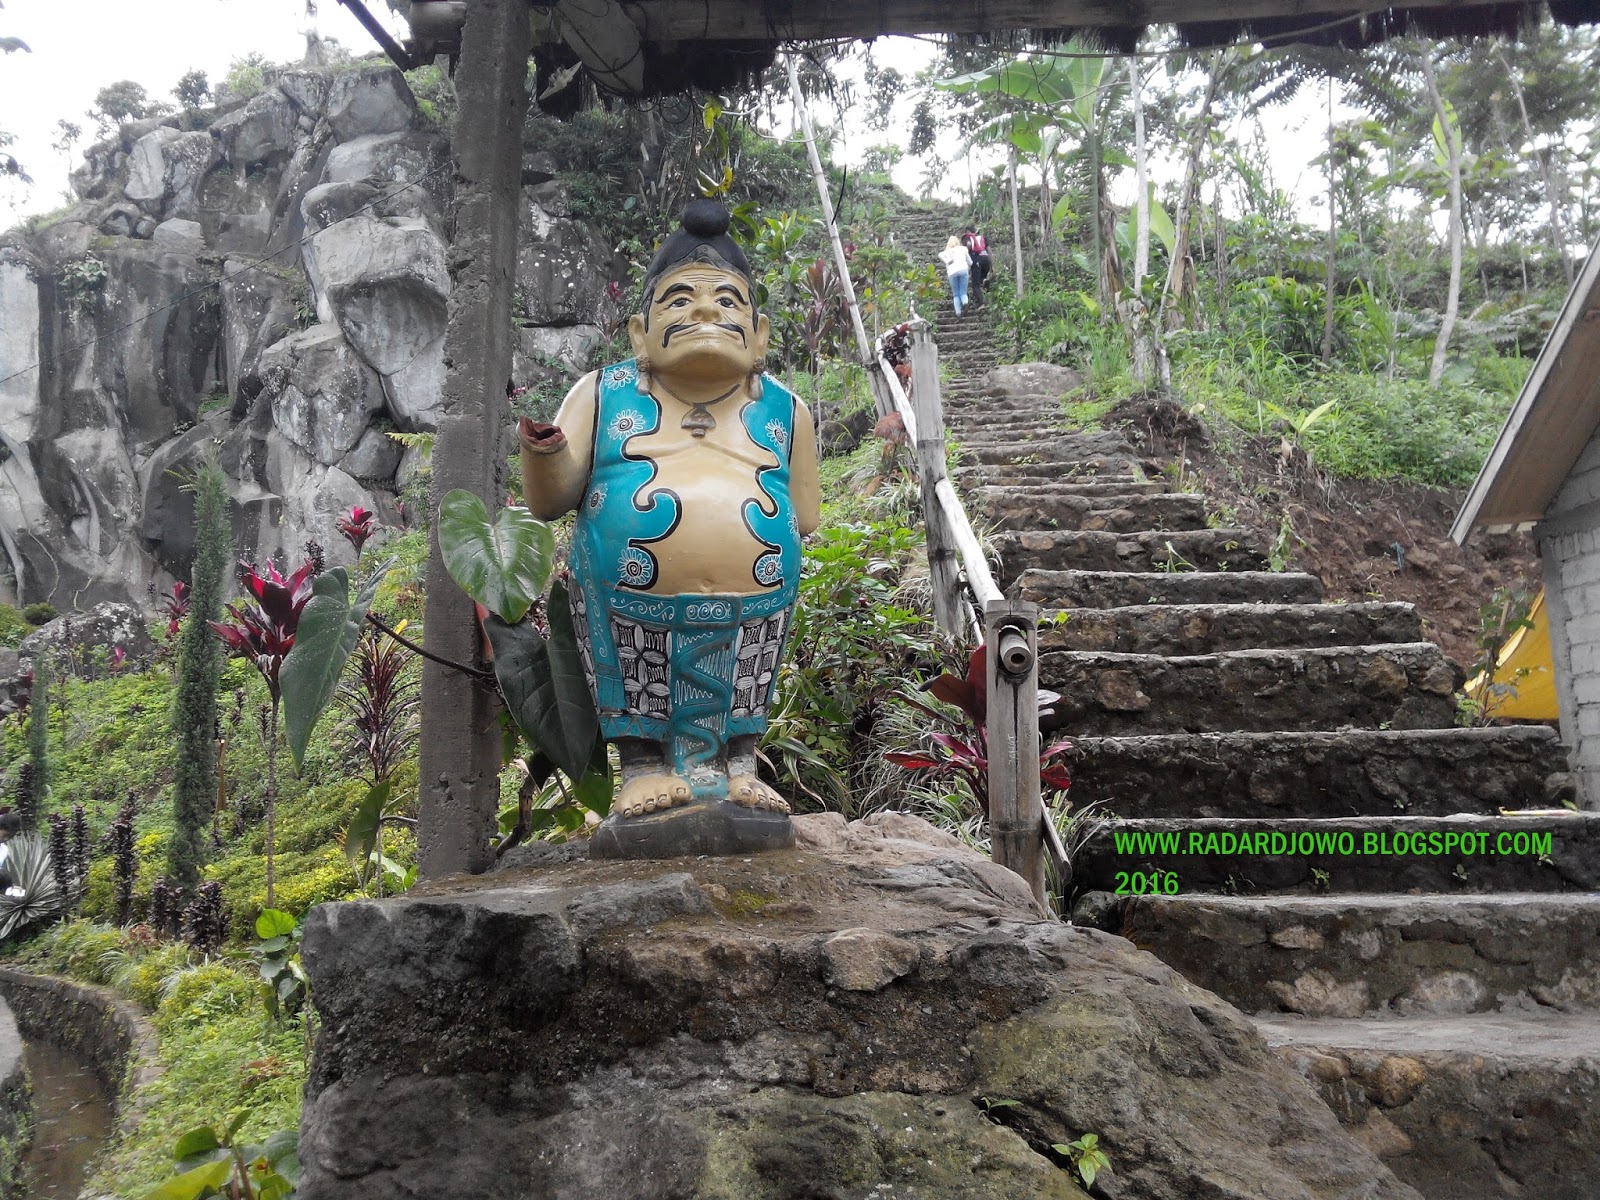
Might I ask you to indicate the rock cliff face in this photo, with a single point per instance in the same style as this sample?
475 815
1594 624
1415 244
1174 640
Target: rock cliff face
271 288
835 1022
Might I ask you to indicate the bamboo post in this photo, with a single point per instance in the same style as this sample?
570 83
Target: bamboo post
943 569
1016 811
459 778
1016 219
881 402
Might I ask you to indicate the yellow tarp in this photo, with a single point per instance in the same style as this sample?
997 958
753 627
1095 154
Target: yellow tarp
1524 685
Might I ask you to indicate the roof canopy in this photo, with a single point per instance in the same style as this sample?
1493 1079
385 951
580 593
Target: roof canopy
1553 420
639 48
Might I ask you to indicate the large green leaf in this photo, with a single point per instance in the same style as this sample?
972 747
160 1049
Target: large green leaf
544 686
191 1185
330 627
502 565
274 922
361 839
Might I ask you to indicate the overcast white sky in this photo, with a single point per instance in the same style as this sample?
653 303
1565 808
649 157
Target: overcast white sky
79 46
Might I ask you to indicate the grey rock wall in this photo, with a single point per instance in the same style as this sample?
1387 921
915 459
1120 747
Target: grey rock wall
271 288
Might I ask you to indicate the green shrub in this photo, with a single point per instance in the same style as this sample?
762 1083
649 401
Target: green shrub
40 614
13 626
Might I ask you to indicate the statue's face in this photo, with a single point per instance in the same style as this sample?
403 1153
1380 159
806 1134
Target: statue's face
701 325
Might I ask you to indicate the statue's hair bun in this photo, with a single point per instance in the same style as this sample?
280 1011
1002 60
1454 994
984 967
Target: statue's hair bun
705 218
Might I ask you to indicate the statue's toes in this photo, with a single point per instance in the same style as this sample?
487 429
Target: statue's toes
678 792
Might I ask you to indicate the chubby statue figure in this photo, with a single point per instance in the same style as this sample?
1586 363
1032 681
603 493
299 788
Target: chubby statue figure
694 477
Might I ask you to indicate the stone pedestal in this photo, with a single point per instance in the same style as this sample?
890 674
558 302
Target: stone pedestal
835 1020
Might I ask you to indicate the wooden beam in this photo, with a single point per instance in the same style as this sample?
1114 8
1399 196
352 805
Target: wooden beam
1016 809
460 770
744 20
927 444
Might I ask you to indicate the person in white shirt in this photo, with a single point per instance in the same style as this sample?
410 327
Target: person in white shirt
958 266
10 826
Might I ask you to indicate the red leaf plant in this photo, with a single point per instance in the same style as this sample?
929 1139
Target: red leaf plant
176 605
266 620
263 630
965 753
358 525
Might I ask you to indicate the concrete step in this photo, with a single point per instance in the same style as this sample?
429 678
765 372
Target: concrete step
1456 855
1485 1106
1407 685
1119 589
1354 956
1051 507
1209 628
1158 551
1351 772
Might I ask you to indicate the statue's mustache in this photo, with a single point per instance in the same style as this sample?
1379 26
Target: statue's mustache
686 326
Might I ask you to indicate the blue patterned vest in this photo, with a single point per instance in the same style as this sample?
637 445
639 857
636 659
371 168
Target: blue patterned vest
688 671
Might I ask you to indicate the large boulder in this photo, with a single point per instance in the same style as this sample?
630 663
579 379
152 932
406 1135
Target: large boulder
166 170
384 281
395 162
562 270
553 353
258 309
369 100
838 1020
325 397
261 130
19 348
155 374
78 635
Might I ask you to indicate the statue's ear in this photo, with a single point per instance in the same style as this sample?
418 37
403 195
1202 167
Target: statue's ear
763 336
636 336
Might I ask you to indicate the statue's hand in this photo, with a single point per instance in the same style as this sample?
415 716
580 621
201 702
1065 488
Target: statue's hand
539 437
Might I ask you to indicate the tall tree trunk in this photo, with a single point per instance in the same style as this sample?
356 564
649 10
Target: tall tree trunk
1141 174
1557 232
1016 219
1173 293
1333 240
1097 204
1452 143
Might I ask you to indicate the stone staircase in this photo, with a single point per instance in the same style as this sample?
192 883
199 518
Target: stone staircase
1289 770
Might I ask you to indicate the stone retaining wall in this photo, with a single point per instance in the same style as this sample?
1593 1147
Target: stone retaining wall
16 1108
106 1031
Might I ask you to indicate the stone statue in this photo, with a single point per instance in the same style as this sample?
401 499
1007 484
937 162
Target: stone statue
694 477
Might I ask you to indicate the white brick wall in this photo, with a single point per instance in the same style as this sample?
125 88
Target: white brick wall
1573 561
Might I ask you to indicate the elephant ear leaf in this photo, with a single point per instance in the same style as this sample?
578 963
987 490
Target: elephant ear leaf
545 687
502 564
330 627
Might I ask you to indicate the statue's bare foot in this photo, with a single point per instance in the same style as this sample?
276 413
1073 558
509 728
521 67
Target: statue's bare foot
749 792
655 792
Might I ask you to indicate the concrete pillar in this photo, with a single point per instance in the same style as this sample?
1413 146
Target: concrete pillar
460 732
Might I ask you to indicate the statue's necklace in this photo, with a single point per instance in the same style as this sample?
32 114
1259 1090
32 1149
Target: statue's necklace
697 420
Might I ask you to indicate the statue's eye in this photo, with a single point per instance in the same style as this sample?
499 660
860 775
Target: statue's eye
725 302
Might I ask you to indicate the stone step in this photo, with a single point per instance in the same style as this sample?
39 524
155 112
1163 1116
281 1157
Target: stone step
1463 854
973 481
1096 470
1353 956
1120 589
1052 473
1182 629
1484 1106
1351 772
1081 449
1407 685
1157 551
1056 508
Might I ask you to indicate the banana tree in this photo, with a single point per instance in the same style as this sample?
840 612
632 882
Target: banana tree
1048 103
